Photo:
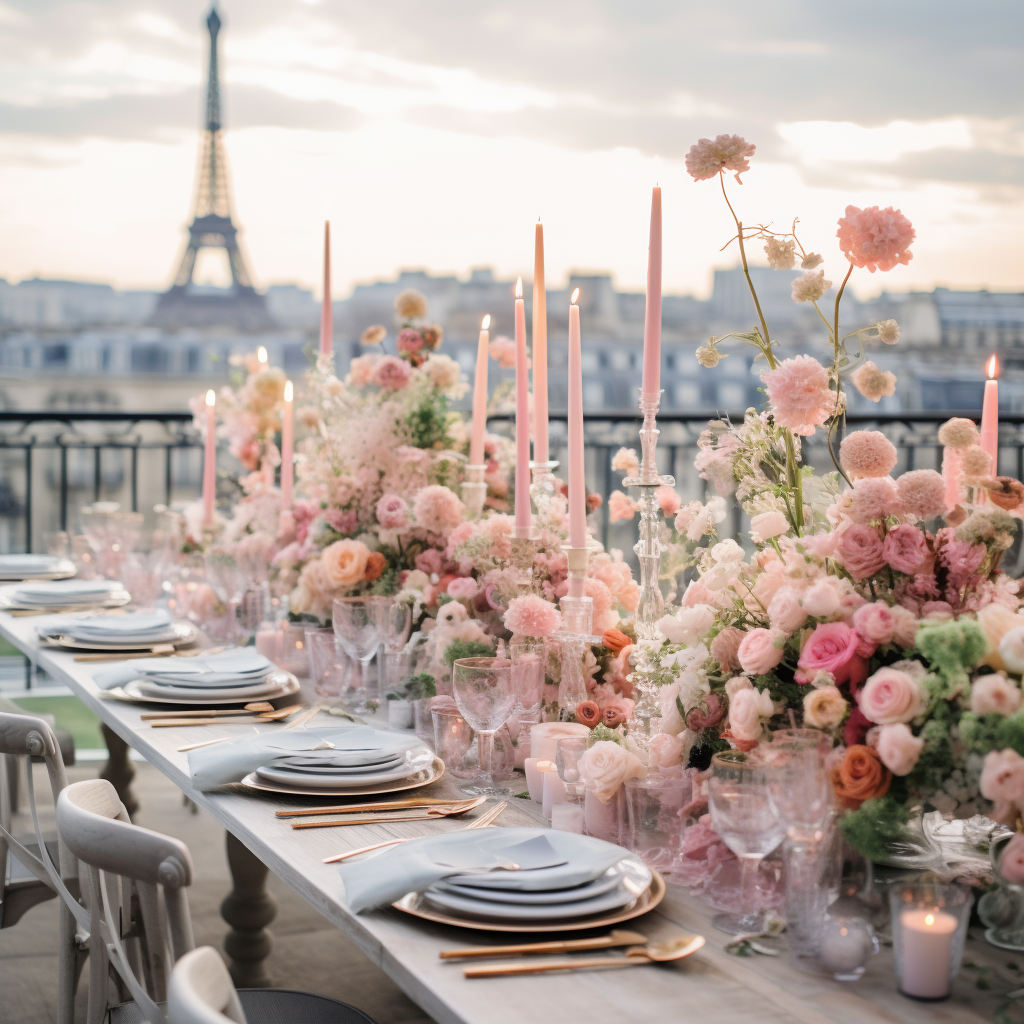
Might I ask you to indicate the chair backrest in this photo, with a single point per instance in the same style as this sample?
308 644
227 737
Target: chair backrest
201 992
133 884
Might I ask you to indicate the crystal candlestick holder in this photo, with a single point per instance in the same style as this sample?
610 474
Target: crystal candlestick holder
575 634
524 552
543 486
648 551
474 490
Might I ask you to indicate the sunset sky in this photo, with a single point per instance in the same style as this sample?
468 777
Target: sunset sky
434 134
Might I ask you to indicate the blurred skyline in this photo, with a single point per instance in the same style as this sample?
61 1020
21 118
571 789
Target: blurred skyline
434 134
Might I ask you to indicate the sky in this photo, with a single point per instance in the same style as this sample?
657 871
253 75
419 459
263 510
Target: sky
435 134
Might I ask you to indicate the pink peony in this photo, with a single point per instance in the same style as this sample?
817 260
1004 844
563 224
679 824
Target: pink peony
1002 782
833 647
875 622
620 506
706 714
725 648
392 512
463 588
867 453
409 341
821 599
923 492
1011 860
799 395
961 559
437 508
760 651
898 748
342 520
875 239
905 548
994 694
859 550
785 613
531 615
708 157
890 696
766 525
391 372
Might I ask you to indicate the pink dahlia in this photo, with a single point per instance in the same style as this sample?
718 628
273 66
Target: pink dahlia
531 615
725 153
437 508
923 492
867 453
799 395
391 372
874 238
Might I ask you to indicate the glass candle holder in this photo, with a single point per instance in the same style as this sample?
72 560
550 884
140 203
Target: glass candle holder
454 742
654 805
929 927
328 666
845 944
294 654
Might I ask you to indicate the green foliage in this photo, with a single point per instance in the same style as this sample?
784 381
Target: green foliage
418 687
874 826
602 732
428 422
951 649
466 649
1009 732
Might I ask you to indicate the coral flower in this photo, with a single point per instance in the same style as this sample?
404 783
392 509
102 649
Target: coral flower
860 776
588 713
875 239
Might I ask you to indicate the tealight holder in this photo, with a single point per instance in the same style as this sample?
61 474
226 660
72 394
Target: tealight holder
845 945
542 484
474 489
576 631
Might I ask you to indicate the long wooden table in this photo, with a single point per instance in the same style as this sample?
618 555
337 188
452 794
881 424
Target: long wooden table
712 985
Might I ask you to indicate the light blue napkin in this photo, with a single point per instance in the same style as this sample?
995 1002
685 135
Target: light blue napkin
41 591
131 624
28 563
241 664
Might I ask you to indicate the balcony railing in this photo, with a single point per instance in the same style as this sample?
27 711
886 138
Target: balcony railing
53 462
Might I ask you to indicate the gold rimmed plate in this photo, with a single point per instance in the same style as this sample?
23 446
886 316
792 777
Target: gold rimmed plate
285 684
179 634
421 778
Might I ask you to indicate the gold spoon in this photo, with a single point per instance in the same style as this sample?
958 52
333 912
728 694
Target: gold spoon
270 716
257 707
654 952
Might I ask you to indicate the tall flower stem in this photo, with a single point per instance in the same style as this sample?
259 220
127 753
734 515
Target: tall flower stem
835 369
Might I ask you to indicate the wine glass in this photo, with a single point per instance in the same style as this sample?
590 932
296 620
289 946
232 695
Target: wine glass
484 694
394 621
529 662
356 625
745 817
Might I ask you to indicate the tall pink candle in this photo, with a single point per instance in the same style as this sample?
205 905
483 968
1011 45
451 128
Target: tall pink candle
210 460
990 414
651 381
327 310
540 350
287 447
523 516
476 438
577 476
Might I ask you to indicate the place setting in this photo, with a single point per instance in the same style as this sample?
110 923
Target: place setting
47 596
23 568
120 634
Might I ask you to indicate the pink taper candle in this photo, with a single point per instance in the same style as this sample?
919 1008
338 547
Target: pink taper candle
327 310
210 460
476 438
540 350
990 414
287 447
523 516
651 381
577 476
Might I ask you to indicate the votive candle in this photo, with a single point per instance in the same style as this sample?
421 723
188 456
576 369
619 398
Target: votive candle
540 350
523 520
327 310
651 380
927 950
210 460
287 446
577 454
476 439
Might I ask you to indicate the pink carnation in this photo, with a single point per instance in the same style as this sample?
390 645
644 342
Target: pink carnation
874 238
905 548
867 453
392 512
391 372
463 588
833 647
620 506
531 615
873 497
859 550
708 157
437 508
923 492
799 395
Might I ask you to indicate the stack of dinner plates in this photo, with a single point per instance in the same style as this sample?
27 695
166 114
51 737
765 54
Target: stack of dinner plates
35 567
44 595
129 632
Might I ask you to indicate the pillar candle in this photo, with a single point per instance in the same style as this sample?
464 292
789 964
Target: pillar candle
210 460
651 381
534 772
577 475
990 414
540 351
554 791
927 951
476 440
544 737
327 311
287 447
523 515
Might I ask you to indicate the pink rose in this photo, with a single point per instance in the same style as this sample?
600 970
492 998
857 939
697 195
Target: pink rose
859 550
430 561
785 612
706 714
994 694
891 696
1011 860
725 647
906 626
392 512
744 715
617 712
833 648
760 651
875 622
905 548
766 525
1002 782
821 599
665 751
898 748
344 563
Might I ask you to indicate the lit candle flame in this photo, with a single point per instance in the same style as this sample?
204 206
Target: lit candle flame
575 296
929 920
519 288
992 368
211 397
261 354
289 391
485 323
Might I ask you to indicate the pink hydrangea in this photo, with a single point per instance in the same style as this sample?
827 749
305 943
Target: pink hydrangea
923 492
799 395
874 238
392 512
620 506
708 157
437 508
391 372
531 615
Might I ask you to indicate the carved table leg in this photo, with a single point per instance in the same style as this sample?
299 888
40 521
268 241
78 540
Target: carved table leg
118 770
248 909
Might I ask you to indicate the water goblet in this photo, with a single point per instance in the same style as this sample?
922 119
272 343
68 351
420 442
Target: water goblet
749 824
357 628
529 662
483 692
395 621
328 667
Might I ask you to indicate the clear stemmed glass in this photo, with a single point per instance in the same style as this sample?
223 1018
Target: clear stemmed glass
484 694
394 621
357 628
745 817
529 662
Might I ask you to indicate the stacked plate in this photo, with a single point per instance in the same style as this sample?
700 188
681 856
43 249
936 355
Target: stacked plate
129 632
352 762
564 882
35 567
44 595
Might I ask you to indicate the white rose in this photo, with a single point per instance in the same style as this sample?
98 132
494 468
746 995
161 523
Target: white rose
767 525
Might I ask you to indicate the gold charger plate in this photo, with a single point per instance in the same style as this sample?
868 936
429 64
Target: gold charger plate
287 686
415 903
421 778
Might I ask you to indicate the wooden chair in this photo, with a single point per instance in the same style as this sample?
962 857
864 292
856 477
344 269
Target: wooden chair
37 869
134 882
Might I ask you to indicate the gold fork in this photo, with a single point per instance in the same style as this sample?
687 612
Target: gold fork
486 819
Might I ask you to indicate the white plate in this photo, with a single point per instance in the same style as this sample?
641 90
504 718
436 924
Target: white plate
311 780
280 684
608 881
117 599
179 634
423 778
328 770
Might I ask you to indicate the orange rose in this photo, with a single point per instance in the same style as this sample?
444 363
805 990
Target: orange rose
860 776
375 565
344 563
1005 492
615 640
588 713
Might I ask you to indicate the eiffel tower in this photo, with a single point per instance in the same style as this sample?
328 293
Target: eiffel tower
213 227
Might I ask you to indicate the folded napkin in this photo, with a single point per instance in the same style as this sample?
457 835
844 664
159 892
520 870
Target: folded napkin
223 763
242 664
116 626
416 865
28 563
65 590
